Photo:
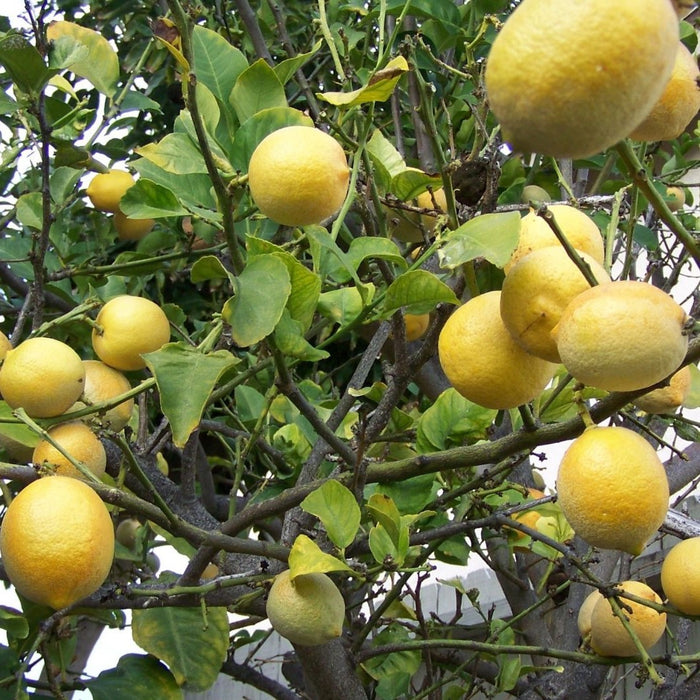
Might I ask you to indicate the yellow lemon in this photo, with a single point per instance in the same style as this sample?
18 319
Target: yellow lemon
680 576
79 442
678 104
622 336
416 325
535 293
43 376
667 399
483 362
307 610
298 175
675 198
609 636
128 327
132 229
612 488
57 541
5 345
127 531
555 64
103 383
580 231
585 612
106 189
527 517
410 226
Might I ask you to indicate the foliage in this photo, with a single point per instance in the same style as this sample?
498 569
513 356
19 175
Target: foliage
289 423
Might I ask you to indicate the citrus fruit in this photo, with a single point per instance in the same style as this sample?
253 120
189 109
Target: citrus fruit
527 517
132 229
580 231
128 327
306 610
675 198
410 226
126 532
680 576
43 376
535 293
613 489
554 64
585 613
416 325
79 442
298 175
210 572
57 541
483 362
106 189
622 336
678 104
5 345
668 398
103 383
609 636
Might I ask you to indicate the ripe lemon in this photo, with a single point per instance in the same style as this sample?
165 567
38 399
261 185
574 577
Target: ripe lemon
483 362
79 442
535 293
609 636
43 376
675 198
678 104
669 398
613 489
416 325
622 336
132 229
308 610
57 541
103 383
106 189
580 231
128 327
5 345
585 612
526 517
409 226
298 175
555 64
680 576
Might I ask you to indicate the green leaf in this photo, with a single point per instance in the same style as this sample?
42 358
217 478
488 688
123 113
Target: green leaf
7 104
30 210
194 647
24 64
16 432
306 557
62 183
13 622
386 159
175 153
286 69
257 88
407 184
379 88
138 677
289 338
693 398
489 236
418 292
185 379
383 546
217 63
9 666
373 247
209 267
99 64
261 293
148 200
384 511
341 305
335 506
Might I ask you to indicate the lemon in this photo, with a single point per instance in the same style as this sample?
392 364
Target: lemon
79 442
132 229
483 362
106 189
585 612
675 198
43 376
307 610
609 636
527 517
298 175
57 541
127 531
562 82
680 576
535 293
678 104
613 489
5 345
128 327
210 572
580 231
410 226
667 399
416 325
622 336
103 383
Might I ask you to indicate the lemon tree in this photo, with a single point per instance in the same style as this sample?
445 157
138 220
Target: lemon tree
326 297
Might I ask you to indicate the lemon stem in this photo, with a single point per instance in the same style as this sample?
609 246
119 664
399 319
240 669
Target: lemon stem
326 31
582 408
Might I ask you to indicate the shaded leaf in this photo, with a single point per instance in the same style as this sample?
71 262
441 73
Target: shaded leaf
386 159
417 292
30 210
284 70
13 622
335 506
372 247
407 184
209 267
306 557
24 63
289 338
379 88
138 677
384 511
341 305
148 200
257 88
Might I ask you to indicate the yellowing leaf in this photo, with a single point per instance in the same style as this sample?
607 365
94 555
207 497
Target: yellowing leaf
306 557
